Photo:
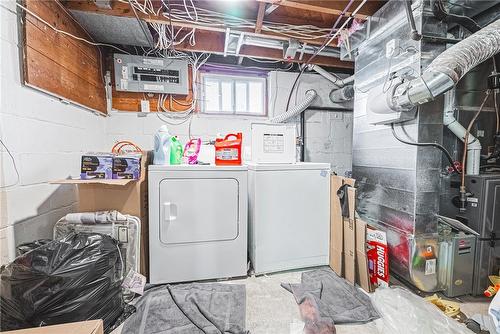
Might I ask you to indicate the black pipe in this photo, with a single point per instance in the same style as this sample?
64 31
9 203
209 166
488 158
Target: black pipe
411 20
303 136
440 13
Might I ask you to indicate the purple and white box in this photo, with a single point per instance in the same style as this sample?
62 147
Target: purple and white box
96 166
127 166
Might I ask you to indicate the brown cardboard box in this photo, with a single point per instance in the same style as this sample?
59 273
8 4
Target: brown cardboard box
362 274
350 238
127 196
337 224
83 327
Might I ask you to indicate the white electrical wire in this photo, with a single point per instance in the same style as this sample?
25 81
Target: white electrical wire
184 12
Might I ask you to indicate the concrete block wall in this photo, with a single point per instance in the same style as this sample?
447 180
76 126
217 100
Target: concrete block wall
46 139
328 134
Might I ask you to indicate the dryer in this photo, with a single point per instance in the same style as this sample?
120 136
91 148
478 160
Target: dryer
197 222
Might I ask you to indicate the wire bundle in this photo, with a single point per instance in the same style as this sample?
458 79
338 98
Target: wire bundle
191 14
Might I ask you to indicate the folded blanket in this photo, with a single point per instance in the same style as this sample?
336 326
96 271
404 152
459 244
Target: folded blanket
326 299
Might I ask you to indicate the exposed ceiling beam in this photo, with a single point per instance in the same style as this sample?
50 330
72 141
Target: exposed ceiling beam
210 39
123 10
260 17
270 8
310 7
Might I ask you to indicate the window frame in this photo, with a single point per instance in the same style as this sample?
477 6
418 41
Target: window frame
233 78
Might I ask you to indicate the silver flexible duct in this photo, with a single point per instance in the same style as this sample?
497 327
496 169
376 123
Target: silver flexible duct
296 110
449 67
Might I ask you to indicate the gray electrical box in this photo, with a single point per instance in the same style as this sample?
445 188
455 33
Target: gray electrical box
151 75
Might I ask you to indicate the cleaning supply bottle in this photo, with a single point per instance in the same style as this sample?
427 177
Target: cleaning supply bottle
175 151
162 146
228 150
191 151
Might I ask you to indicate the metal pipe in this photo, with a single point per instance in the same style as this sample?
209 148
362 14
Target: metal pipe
448 68
343 94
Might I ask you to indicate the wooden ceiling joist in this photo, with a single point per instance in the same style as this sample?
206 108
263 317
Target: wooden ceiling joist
311 7
260 17
211 38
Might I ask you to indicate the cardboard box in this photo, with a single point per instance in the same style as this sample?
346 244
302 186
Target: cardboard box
350 238
83 327
125 195
96 166
378 256
127 166
337 224
362 273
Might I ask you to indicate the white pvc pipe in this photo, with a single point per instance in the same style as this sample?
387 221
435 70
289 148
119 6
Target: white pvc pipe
473 144
296 110
327 75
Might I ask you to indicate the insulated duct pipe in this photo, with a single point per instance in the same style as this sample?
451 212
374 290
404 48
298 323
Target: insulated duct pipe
448 68
327 75
473 144
297 109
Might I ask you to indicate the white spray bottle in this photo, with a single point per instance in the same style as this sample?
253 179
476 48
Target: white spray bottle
162 146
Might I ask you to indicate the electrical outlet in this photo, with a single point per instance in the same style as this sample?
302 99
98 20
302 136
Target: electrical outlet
337 115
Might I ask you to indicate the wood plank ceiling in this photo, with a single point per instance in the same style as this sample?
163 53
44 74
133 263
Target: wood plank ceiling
261 15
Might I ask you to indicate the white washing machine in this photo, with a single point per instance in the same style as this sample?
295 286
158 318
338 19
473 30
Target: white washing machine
289 216
197 222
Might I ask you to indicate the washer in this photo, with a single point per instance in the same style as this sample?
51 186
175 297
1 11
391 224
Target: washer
289 216
197 222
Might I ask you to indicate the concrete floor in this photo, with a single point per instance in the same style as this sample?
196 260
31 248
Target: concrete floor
272 310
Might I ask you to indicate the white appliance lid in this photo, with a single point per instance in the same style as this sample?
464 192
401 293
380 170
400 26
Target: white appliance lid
294 166
195 168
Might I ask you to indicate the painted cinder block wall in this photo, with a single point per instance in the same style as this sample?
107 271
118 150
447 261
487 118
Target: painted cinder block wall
46 138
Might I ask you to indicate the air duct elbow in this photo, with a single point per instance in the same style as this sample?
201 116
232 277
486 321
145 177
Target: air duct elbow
296 110
450 66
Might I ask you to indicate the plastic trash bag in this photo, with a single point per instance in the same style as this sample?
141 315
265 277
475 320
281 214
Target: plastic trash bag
29 246
403 312
494 313
72 279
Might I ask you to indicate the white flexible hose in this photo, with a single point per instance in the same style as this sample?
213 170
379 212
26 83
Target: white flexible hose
297 109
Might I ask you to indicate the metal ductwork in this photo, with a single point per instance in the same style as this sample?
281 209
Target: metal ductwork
449 67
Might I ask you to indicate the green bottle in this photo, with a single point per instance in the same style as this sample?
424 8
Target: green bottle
176 151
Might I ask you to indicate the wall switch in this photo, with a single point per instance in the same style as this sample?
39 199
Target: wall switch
145 106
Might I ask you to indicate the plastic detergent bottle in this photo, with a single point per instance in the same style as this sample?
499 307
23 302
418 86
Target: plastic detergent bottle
175 151
162 146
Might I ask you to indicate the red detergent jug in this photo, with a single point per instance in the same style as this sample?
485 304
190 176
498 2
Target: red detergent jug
228 150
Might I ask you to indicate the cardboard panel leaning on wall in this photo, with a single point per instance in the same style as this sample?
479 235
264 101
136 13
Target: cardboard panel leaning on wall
58 64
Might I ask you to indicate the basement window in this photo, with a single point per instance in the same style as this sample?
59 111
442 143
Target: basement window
225 94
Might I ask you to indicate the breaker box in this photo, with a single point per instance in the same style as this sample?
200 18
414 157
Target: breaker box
150 75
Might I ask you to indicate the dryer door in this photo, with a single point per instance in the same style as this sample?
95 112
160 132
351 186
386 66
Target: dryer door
198 210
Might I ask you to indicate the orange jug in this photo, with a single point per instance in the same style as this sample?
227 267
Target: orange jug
228 150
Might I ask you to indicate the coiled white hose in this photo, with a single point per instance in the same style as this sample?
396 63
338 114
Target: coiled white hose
297 109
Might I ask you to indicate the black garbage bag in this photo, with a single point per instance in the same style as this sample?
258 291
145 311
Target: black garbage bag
29 246
73 279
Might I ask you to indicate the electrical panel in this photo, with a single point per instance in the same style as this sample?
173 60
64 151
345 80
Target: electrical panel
151 75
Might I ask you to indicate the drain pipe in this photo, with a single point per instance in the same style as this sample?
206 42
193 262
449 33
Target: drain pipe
473 144
339 82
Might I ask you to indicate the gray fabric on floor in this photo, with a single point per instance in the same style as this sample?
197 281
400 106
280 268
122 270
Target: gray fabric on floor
205 308
332 299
